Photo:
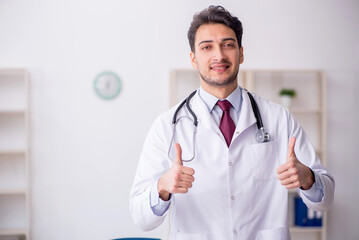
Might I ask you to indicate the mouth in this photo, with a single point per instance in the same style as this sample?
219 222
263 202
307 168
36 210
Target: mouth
219 67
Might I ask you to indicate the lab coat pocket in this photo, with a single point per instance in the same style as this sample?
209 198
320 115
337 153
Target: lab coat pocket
264 160
274 234
193 236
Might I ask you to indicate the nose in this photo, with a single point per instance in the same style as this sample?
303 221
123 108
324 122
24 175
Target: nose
218 54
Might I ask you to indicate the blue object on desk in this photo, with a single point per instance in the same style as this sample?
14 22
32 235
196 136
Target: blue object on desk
305 217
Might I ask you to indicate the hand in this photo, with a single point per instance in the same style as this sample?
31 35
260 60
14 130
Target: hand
293 173
176 180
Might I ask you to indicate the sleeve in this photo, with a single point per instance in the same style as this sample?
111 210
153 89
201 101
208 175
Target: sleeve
327 199
315 193
152 165
158 206
306 154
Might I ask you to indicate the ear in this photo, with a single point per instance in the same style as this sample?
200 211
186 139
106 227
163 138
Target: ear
193 60
241 56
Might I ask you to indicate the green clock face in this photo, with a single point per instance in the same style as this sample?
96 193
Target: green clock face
107 85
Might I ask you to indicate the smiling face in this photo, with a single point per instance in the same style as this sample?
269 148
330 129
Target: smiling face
217 56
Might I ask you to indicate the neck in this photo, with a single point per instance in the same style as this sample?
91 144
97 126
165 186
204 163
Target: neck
220 92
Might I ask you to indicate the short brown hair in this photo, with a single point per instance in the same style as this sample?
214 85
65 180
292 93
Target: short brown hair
214 14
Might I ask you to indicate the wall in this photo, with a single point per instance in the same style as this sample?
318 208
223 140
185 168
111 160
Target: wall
85 150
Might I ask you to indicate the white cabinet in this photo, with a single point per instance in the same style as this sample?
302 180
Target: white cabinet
309 108
14 154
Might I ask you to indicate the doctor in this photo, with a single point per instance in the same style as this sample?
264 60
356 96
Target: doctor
235 187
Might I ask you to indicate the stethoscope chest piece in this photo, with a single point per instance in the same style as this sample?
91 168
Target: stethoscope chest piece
262 136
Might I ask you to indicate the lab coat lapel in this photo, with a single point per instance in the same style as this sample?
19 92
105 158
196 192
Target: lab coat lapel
246 116
203 114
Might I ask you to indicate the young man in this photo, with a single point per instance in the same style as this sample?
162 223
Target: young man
233 188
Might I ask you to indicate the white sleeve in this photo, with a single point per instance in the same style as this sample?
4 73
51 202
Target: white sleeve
315 193
158 206
328 194
152 165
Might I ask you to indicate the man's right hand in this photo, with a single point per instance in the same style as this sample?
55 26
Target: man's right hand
176 180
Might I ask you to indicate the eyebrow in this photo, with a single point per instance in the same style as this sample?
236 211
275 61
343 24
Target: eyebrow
223 40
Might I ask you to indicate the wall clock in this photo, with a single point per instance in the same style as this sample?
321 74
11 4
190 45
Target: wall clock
107 85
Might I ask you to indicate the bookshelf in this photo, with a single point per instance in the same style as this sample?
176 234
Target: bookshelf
14 155
309 108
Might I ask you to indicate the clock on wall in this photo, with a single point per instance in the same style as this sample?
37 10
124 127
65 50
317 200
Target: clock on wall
107 85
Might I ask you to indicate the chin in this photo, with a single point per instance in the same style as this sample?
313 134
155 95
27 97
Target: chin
219 79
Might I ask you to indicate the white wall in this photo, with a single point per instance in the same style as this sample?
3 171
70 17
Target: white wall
85 150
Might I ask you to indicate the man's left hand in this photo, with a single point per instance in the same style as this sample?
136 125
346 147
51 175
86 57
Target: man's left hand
293 173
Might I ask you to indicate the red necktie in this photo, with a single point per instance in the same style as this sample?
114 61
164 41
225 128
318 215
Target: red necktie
226 125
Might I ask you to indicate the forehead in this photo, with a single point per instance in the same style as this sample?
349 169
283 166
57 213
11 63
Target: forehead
213 32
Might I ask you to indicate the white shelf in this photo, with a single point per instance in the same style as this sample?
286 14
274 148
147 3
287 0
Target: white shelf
14 154
13 232
309 108
13 192
12 151
12 111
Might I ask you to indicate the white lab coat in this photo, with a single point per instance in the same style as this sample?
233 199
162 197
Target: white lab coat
236 193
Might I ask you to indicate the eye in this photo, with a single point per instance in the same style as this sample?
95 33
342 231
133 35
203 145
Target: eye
229 45
205 47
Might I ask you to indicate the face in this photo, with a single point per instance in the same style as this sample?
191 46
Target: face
217 55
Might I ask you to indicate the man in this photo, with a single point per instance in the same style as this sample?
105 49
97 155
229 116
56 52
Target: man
233 188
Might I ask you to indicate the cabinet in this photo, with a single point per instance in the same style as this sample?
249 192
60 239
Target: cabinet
309 108
14 154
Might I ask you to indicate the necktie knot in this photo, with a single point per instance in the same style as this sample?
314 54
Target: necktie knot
224 105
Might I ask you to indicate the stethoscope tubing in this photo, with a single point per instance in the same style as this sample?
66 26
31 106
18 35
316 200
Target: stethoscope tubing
265 136
255 108
195 121
186 101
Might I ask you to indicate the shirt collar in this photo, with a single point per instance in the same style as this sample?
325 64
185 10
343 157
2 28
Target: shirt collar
234 98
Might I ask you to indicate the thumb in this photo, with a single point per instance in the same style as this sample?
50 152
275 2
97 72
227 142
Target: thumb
178 158
291 145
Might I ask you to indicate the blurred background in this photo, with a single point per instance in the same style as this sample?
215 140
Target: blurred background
83 150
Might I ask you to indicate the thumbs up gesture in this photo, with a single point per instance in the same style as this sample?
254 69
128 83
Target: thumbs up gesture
178 179
293 173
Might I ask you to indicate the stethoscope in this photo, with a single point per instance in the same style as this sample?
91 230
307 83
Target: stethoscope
261 136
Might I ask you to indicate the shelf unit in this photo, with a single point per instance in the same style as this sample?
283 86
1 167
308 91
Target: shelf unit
309 108
14 155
